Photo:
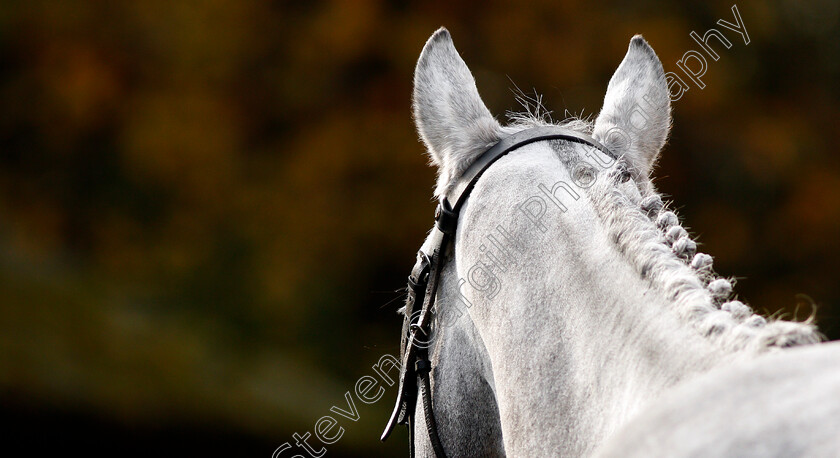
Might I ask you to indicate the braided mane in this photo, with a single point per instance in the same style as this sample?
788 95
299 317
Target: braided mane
650 236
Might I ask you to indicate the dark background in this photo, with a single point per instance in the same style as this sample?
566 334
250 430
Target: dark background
206 208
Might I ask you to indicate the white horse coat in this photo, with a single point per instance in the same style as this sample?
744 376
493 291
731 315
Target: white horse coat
585 323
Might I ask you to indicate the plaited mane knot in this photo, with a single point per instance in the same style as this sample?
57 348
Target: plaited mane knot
652 204
667 219
702 263
684 247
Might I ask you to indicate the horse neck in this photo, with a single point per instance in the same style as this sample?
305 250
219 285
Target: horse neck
462 383
574 334
623 336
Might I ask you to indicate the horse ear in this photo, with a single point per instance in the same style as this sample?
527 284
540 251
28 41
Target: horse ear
636 115
451 118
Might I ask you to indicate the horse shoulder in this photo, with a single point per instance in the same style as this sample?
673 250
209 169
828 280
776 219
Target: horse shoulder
780 404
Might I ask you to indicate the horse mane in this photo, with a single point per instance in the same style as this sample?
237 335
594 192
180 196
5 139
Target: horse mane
651 237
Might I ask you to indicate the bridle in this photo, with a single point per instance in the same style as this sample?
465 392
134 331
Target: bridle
425 276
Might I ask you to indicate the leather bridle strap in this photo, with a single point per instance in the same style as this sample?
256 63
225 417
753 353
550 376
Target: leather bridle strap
462 188
425 275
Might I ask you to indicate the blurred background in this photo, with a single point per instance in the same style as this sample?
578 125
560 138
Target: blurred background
207 208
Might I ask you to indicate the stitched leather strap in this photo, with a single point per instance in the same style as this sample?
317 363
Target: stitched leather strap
456 198
413 331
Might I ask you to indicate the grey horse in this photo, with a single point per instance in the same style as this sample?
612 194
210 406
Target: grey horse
574 316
